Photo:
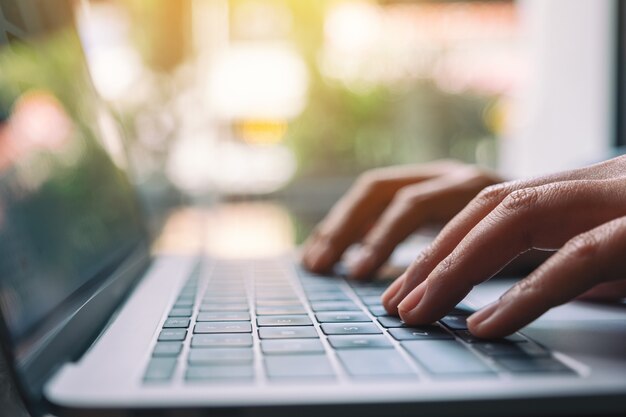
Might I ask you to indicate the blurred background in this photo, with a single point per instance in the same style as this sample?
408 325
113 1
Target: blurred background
289 100
271 108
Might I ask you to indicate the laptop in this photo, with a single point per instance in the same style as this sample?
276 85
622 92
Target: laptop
93 324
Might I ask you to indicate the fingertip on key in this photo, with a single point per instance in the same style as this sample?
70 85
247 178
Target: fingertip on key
408 308
321 258
479 322
363 264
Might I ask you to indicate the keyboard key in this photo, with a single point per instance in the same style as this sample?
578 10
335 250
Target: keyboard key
391 321
171 349
189 292
467 337
378 311
226 294
369 291
181 312
446 358
420 333
291 302
291 346
223 293
224 307
272 287
510 349
299 320
172 335
220 356
297 332
270 311
455 322
333 306
222 340
175 322
371 300
274 293
298 366
309 278
516 338
374 362
160 369
275 296
327 296
223 327
229 284
224 300
461 310
355 342
314 288
183 303
219 373
533 365
342 317
224 316
350 328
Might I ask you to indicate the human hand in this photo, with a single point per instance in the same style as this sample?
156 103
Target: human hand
579 213
387 205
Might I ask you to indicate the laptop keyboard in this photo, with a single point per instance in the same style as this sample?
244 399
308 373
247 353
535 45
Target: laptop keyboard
268 320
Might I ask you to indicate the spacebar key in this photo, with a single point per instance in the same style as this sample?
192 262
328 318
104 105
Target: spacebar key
446 358
374 362
298 366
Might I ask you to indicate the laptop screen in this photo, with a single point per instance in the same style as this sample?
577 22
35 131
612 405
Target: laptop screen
67 212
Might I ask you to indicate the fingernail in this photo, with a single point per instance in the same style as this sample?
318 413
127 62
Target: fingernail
364 262
412 300
482 315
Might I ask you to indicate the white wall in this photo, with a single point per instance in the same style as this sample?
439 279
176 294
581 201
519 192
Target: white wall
564 115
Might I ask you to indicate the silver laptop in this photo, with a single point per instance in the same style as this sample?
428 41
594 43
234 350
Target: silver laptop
92 324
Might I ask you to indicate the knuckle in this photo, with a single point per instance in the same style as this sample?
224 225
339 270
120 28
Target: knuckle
524 199
316 233
445 265
585 245
372 176
368 180
532 197
326 235
492 193
528 287
408 196
424 257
